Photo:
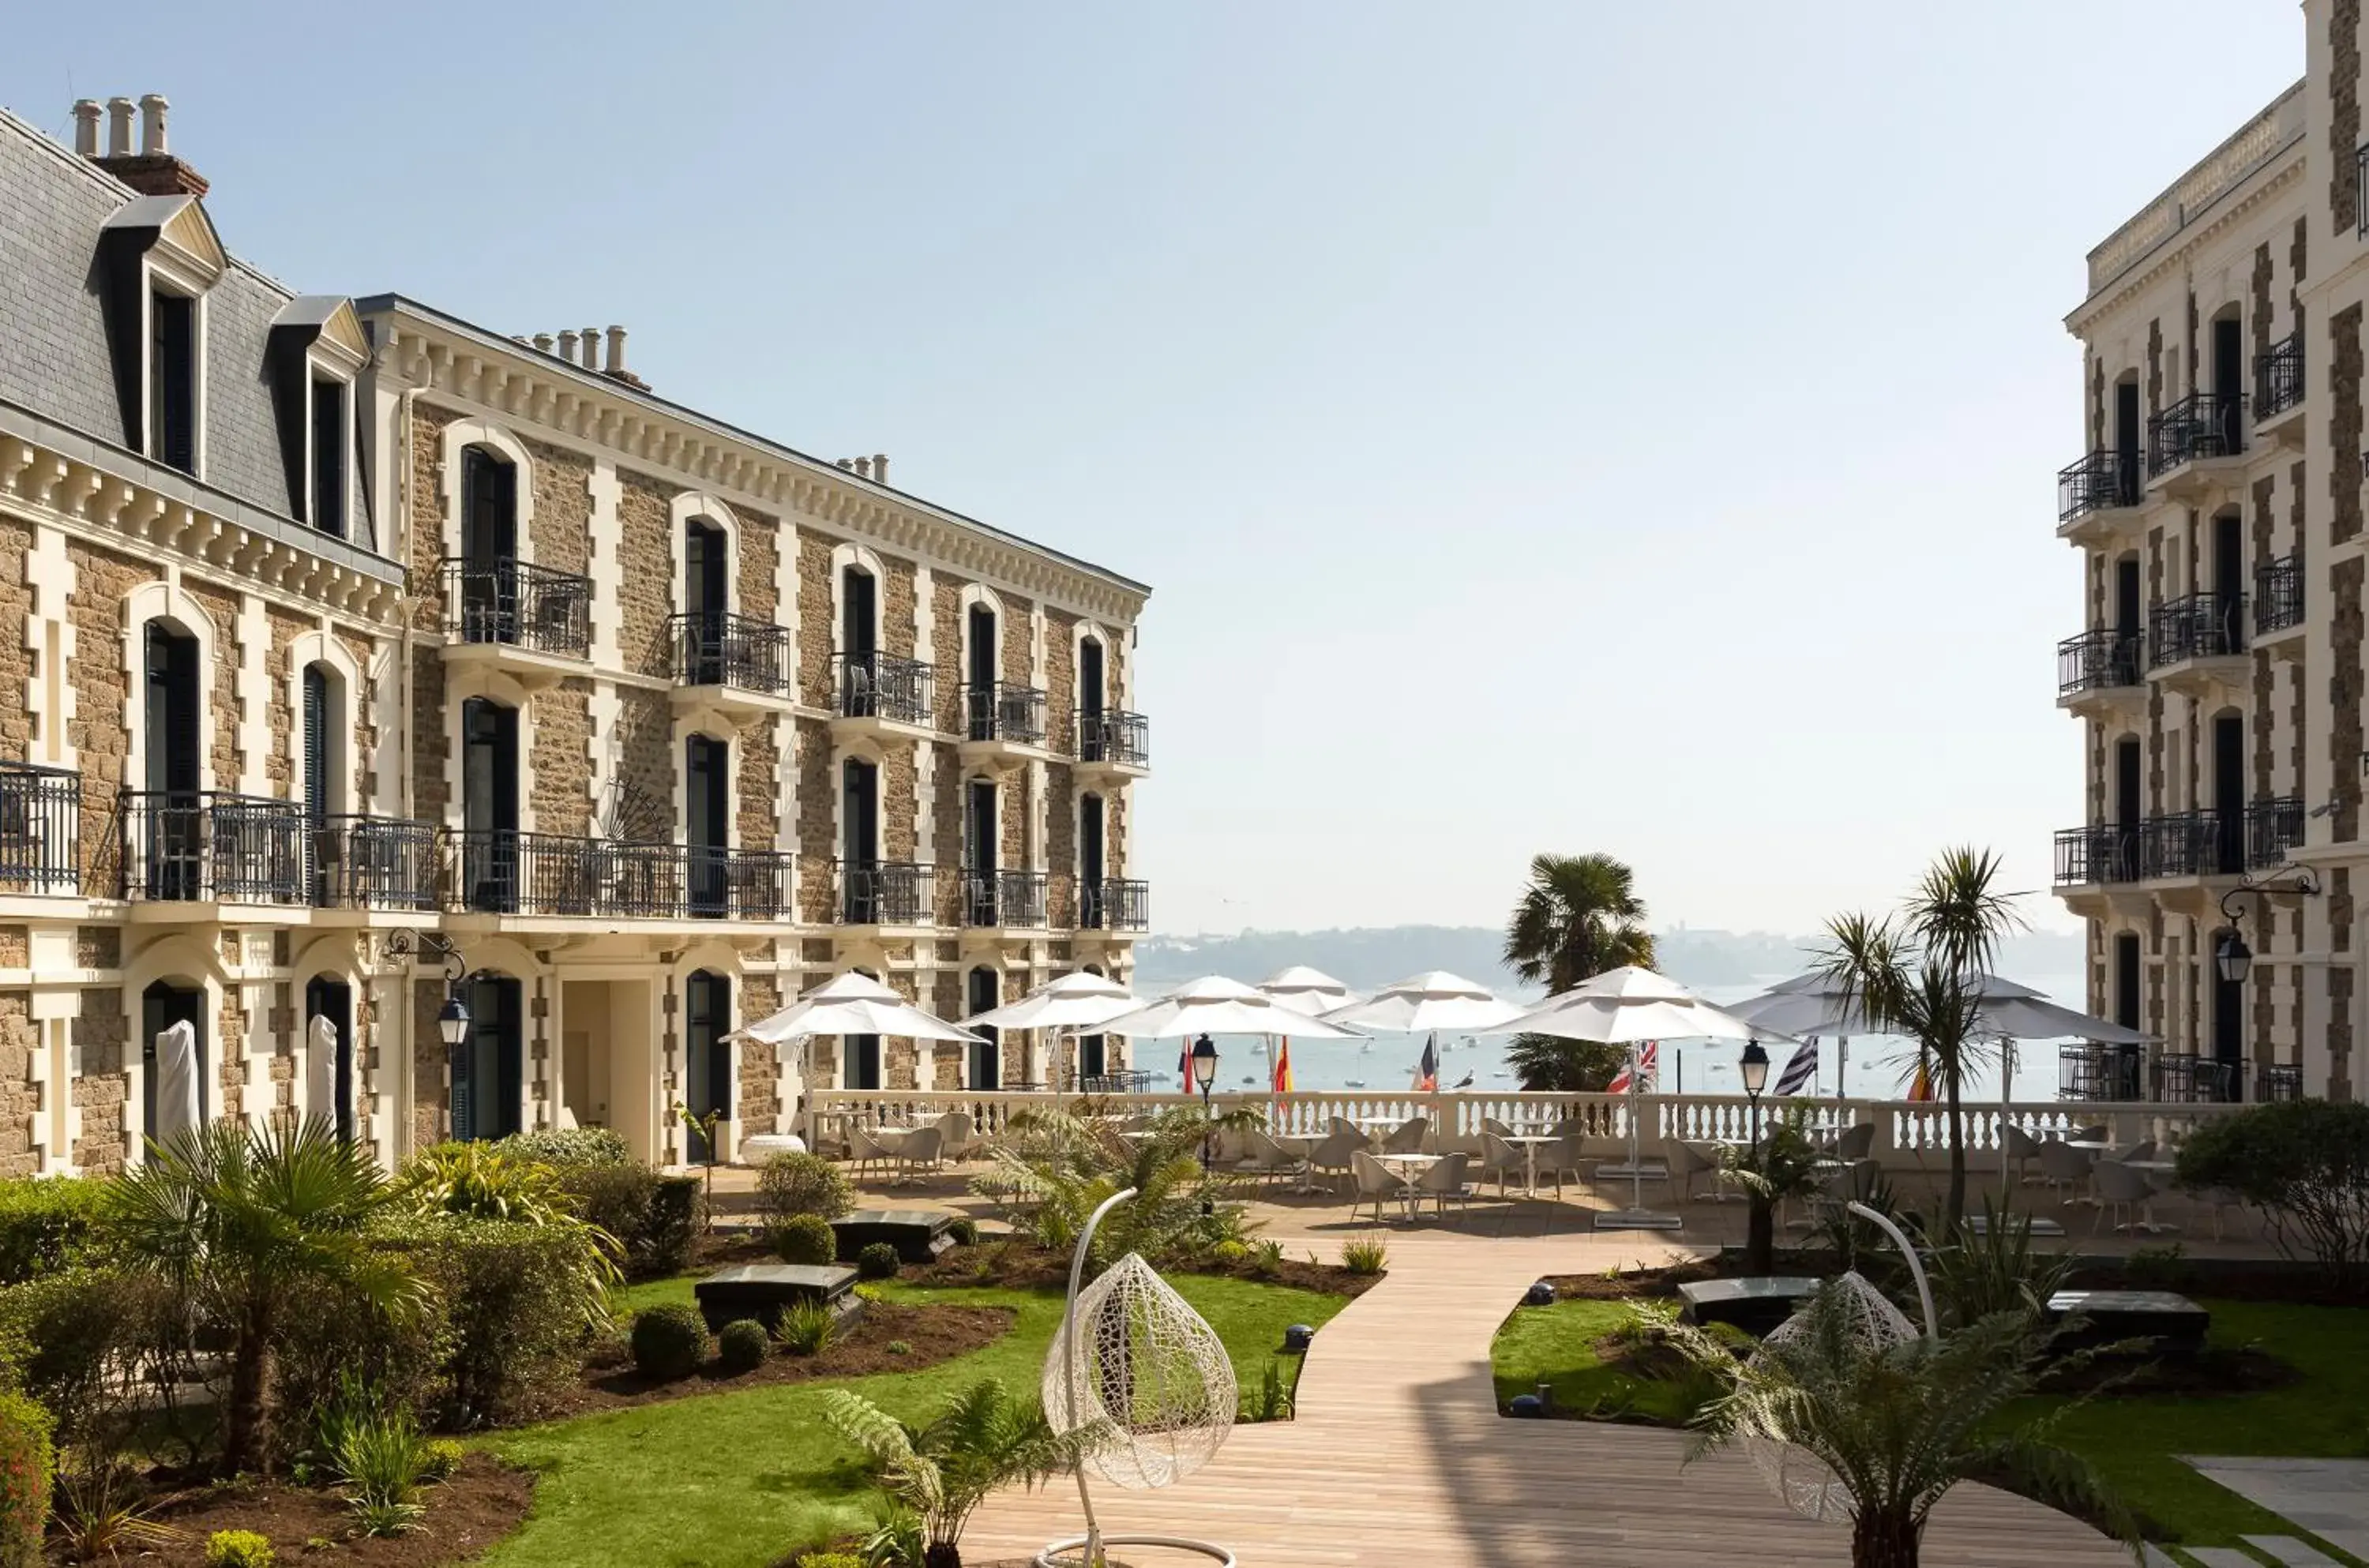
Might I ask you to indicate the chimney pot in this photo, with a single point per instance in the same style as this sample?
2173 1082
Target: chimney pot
616 365
151 124
86 114
542 341
880 466
848 464
591 341
567 347
864 468
119 127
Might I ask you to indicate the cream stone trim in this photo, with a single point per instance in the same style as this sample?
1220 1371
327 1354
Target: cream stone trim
974 594
842 556
464 434
254 686
50 638
182 959
686 506
307 650
714 726
165 601
926 616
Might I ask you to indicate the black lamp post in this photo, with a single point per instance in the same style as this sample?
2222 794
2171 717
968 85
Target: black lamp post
452 1018
1205 1074
1754 1068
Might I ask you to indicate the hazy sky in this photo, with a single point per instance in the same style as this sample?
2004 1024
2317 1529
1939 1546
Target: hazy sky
1545 427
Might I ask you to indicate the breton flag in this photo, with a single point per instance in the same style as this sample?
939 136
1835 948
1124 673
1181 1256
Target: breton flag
1283 1067
1426 1073
1802 1070
1649 1055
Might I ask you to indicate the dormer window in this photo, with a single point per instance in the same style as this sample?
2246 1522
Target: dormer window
331 430
315 350
173 380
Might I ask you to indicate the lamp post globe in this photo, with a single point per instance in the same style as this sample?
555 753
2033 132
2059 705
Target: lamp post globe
1205 1065
1754 1066
2233 958
452 1023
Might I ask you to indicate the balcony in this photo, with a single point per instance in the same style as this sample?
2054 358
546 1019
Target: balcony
1012 899
373 862
2095 1073
40 829
211 847
2180 845
1002 723
2278 605
556 876
1113 903
525 620
886 892
2094 496
2100 670
2278 1080
2198 641
743 666
881 694
1113 744
2198 442
2278 391
2183 1078
2096 856
2273 828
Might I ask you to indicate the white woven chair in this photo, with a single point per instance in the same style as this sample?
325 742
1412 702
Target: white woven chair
1854 1142
2062 1165
1330 1158
2021 1150
865 1151
1376 1182
921 1149
1697 1159
1408 1136
1264 1158
959 1135
1445 1181
1490 1124
1501 1160
2120 1190
1568 1155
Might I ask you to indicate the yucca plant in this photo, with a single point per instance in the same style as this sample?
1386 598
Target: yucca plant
102 1512
982 1439
236 1220
1053 1169
1898 1424
1999 1270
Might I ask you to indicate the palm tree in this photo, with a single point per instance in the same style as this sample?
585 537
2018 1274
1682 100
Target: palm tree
235 1220
1923 976
1899 1425
982 1439
1579 916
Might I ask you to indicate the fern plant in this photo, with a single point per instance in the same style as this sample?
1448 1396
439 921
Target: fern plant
981 1440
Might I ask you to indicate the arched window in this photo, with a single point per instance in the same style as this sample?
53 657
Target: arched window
707 1055
170 821
489 567
986 1054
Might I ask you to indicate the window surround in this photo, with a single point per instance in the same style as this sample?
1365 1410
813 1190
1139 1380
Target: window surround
977 595
166 602
852 554
345 682
697 506
149 243
461 434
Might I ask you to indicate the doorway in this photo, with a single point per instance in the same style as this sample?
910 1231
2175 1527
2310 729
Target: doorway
986 1053
2228 385
488 1070
706 773
859 847
319 731
707 1055
705 563
2127 434
1089 699
177 843
2228 793
162 1005
2129 783
334 1000
489 607
489 805
979 653
863 1070
1090 862
2127 612
2228 632
978 852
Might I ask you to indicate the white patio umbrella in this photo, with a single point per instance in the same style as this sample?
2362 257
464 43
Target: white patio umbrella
846 1004
1078 1002
1432 1001
1215 1005
177 1082
1622 1007
1307 990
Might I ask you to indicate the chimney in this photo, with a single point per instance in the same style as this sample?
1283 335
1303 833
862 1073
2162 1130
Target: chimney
615 369
542 341
880 467
152 170
567 346
591 341
864 468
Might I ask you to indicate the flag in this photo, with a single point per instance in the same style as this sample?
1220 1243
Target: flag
1649 1054
1283 1067
1426 1074
1801 1072
1921 1086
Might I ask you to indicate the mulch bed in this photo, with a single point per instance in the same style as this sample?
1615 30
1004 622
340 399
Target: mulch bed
930 1335
1021 1267
1632 1283
483 1501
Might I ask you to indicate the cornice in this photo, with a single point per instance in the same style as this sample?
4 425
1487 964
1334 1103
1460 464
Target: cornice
494 379
2178 247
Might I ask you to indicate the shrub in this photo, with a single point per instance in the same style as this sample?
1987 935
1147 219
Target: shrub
45 1224
1266 1257
239 1548
807 1328
1366 1256
571 1146
1230 1252
790 1185
669 1341
964 1230
519 1303
75 1338
1273 1401
678 1214
741 1346
805 1238
829 1559
333 1331
26 1459
440 1460
654 1219
879 1261
1998 1271
382 1459
2304 1163
900 1347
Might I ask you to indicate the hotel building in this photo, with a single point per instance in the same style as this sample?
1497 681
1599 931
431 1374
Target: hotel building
348 633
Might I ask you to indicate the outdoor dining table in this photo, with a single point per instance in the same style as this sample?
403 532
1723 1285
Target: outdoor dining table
1416 1164
2147 1224
1529 1143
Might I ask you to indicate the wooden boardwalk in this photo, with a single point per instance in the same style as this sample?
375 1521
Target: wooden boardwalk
1398 1456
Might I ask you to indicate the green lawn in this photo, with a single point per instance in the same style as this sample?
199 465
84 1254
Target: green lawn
740 1480
1556 1345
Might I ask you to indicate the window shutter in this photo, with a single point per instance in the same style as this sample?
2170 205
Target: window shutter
316 743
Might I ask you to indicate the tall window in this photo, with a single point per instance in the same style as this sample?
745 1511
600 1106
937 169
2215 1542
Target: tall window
329 455
173 380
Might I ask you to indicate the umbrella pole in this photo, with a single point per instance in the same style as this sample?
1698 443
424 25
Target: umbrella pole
1636 1170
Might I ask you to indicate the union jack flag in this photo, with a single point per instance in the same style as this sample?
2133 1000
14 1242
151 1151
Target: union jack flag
1647 1059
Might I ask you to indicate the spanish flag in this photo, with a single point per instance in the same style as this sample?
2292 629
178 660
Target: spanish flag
1283 1066
1921 1086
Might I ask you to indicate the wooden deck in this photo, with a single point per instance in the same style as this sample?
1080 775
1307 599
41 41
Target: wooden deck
1398 1456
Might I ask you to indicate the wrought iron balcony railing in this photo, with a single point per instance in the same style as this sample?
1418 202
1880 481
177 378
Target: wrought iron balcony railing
2099 480
2202 424
373 862
1115 903
2097 661
41 829
731 650
879 686
1004 899
522 605
998 709
886 892
2095 1072
1112 735
2098 854
2278 593
2278 376
2194 844
210 846
2198 625
2273 828
2278 1080
2181 1077
499 870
